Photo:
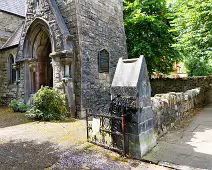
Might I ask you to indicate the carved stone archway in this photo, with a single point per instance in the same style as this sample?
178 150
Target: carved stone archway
45 64
37 47
41 71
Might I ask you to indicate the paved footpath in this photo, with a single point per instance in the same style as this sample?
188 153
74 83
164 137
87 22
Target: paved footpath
189 147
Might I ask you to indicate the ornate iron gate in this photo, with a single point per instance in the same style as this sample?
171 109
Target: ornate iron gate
111 128
110 131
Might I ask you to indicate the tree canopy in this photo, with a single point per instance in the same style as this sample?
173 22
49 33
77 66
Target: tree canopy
148 33
193 22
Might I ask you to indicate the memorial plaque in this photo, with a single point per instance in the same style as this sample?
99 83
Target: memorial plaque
104 61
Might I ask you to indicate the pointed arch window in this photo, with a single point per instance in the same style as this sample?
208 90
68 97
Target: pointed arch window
11 70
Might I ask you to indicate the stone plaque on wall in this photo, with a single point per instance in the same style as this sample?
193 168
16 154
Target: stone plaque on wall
103 60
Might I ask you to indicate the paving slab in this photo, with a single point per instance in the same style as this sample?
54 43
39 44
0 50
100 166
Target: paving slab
189 147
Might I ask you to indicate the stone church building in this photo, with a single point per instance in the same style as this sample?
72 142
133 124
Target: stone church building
70 45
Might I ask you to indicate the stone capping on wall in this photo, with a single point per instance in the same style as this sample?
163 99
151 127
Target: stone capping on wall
172 107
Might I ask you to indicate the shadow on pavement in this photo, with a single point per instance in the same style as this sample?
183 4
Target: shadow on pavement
27 155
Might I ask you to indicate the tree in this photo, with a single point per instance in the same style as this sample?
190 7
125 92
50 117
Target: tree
148 33
197 66
193 22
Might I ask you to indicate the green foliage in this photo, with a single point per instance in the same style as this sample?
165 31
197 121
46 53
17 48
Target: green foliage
14 105
193 21
48 105
18 106
148 33
35 114
197 67
22 107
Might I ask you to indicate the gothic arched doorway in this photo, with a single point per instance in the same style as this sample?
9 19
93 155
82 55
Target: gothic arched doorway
42 74
37 47
45 41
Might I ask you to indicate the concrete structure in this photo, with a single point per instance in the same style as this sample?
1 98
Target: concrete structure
131 80
73 46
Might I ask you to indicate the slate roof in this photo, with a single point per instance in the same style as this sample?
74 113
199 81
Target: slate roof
14 39
17 7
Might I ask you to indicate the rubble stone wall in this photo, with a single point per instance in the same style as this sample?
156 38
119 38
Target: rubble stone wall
7 91
68 12
100 26
166 85
170 108
93 25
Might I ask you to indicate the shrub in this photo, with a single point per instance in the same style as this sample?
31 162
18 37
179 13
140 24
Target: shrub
22 107
49 105
34 113
18 106
14 105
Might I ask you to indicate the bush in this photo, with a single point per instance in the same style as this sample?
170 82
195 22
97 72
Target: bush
18 106
48 105
14 105
198 67
22 107
34 114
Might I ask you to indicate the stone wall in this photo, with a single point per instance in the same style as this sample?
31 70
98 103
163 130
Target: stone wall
94 25
68 11
166 85
170 108
8 91
100 26
8 25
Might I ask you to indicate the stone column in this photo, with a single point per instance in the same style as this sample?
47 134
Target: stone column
62 83
56 65
33 70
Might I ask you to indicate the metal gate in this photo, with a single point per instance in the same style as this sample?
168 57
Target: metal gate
111 126
106 127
